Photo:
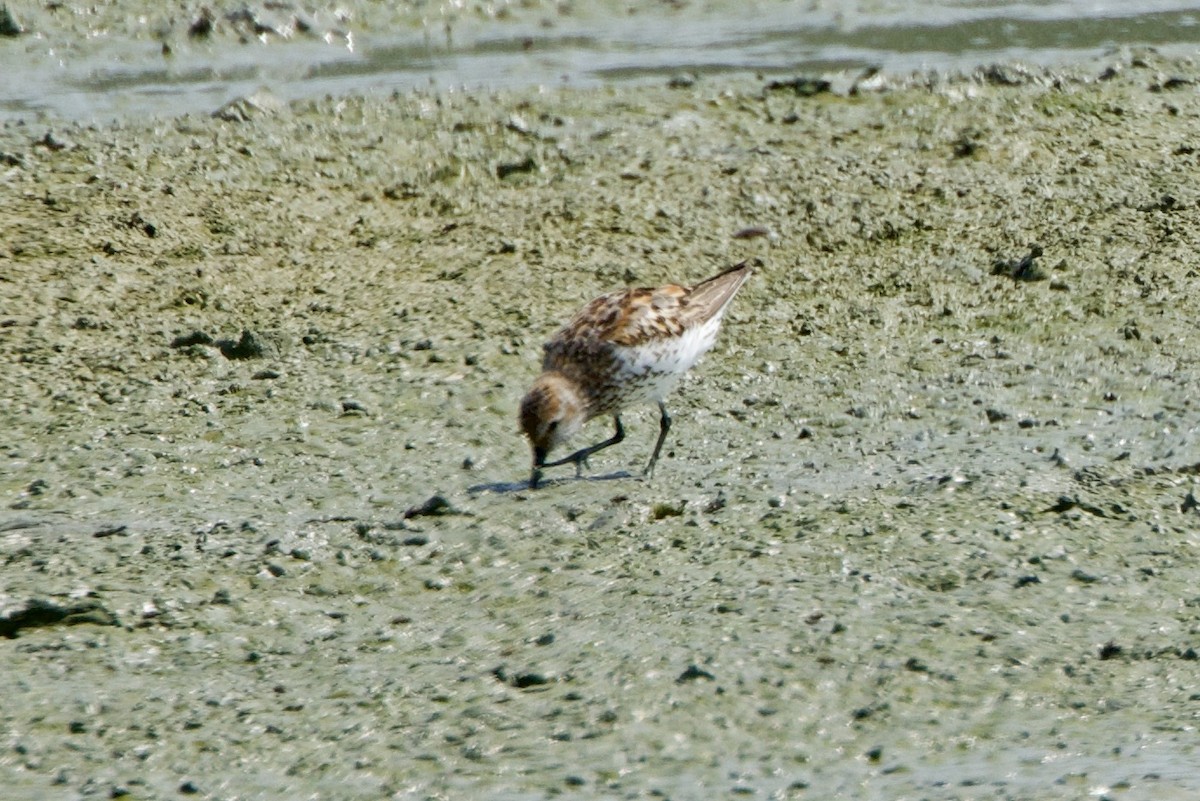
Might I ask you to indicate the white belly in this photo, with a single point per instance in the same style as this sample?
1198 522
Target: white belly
655 368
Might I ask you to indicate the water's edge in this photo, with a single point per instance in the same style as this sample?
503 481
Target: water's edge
73 67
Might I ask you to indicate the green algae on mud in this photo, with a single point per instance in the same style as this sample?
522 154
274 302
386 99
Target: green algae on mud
930 528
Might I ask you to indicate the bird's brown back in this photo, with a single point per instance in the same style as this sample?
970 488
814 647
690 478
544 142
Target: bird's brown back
633 317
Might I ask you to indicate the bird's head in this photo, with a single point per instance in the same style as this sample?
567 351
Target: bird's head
551 413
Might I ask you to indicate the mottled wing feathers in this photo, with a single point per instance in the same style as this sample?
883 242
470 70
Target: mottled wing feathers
633 317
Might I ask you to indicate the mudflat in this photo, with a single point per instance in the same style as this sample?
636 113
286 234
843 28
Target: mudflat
925 526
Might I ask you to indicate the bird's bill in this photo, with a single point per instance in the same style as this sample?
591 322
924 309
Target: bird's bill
539 459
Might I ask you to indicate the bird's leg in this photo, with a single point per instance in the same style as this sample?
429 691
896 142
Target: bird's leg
664 425
580 456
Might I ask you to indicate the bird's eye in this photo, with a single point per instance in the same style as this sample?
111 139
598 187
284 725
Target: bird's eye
552 427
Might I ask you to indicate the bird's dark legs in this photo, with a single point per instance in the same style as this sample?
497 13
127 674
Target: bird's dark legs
580 456
664 425
535 478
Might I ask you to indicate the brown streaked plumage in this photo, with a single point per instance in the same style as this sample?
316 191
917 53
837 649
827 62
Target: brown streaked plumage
625 347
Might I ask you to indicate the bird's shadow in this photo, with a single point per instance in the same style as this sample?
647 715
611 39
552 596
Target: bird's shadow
505 487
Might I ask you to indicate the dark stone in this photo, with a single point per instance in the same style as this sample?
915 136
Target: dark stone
1022 269
353 407
524 680
202 27
38 613
1065 504
802 86
249 346
194 338
8 24
514 168
693 673
435 505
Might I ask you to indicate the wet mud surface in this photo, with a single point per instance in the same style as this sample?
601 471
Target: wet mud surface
925 526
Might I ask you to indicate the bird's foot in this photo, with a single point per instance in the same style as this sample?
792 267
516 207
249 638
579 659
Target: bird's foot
581 462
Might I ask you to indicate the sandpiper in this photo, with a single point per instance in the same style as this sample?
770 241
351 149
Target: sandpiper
625 347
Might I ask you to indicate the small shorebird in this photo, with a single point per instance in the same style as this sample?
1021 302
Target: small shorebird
626 347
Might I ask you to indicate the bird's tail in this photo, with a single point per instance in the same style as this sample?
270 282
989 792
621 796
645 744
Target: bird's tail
712 295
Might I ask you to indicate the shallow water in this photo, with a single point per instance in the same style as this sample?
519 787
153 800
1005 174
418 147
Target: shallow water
85 63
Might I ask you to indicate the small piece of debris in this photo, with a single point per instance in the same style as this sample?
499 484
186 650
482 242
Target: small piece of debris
435 505
249 346
350 406
1006 75
664 510
202 26
512 168
39 613
1022 269
8 24
524 680
802 86
1075 503
521 680
967 143
140 223
51 142
752 232
243 109
693 673
194 338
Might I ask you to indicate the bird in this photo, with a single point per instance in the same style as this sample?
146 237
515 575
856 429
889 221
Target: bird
625 347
